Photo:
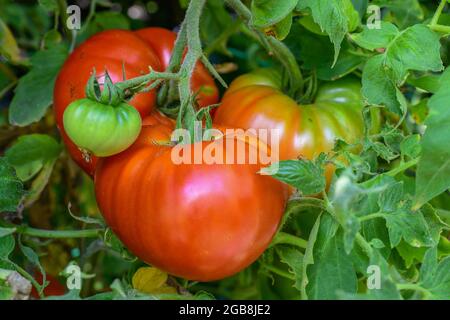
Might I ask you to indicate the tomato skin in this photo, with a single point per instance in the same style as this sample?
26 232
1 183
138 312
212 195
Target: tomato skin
254 100
103 130
108 50
197 221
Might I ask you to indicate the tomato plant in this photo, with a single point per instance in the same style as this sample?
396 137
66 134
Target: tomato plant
350 201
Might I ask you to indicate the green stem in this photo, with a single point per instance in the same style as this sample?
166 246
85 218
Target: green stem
87 233
413 287
274 46
402 167
151 76
440 28
364 244
175 62
371 216
286 238
438 13
27 276
279 272
192 20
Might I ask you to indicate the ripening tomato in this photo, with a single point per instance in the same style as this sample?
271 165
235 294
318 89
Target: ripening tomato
197 221
111 50
255 101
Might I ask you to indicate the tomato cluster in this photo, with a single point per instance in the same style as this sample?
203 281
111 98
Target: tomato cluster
116 51
200 221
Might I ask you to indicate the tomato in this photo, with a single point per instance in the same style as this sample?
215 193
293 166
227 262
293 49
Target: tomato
110 50
255 100
198 221
101 129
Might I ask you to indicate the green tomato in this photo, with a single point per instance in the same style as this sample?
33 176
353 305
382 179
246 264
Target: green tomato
101 129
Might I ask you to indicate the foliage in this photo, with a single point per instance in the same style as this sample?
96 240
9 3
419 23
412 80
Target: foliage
388 204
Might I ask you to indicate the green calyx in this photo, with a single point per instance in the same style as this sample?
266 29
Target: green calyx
110 95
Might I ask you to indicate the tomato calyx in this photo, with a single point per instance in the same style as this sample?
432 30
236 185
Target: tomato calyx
111 94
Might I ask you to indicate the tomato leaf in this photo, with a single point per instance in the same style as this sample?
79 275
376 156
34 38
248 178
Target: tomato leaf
308 259
433 169
405 12
333 269
434 275
266 13
11 188
335 17
372 39
7 245
294 259
34 93
306 176
416 48
30 152
8 45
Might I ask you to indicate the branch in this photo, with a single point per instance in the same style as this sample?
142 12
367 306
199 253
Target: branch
273 46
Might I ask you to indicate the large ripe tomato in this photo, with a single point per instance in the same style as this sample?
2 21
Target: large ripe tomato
109 50
254 100
197 221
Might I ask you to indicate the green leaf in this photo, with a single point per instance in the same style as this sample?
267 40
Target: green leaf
409 225
377 85
294 259
49 5
435 276
410 254
30 152
335 17
7 245
372 39
8 45
416 48
32 257
6 231
433 169
266 13
34 93
282 28
333 269
305 175
308 259
387 289
411 146
39 184
11 188
405 12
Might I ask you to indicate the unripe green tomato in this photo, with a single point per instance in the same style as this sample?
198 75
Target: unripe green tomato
101 129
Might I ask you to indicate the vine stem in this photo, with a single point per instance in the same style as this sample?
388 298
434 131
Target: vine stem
279 272
28 276
437 14
413 287
194 53
402 167
273 46
286 238
151 76
371 216
87 233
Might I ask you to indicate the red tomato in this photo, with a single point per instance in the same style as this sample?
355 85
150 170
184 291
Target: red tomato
109 50
197 221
